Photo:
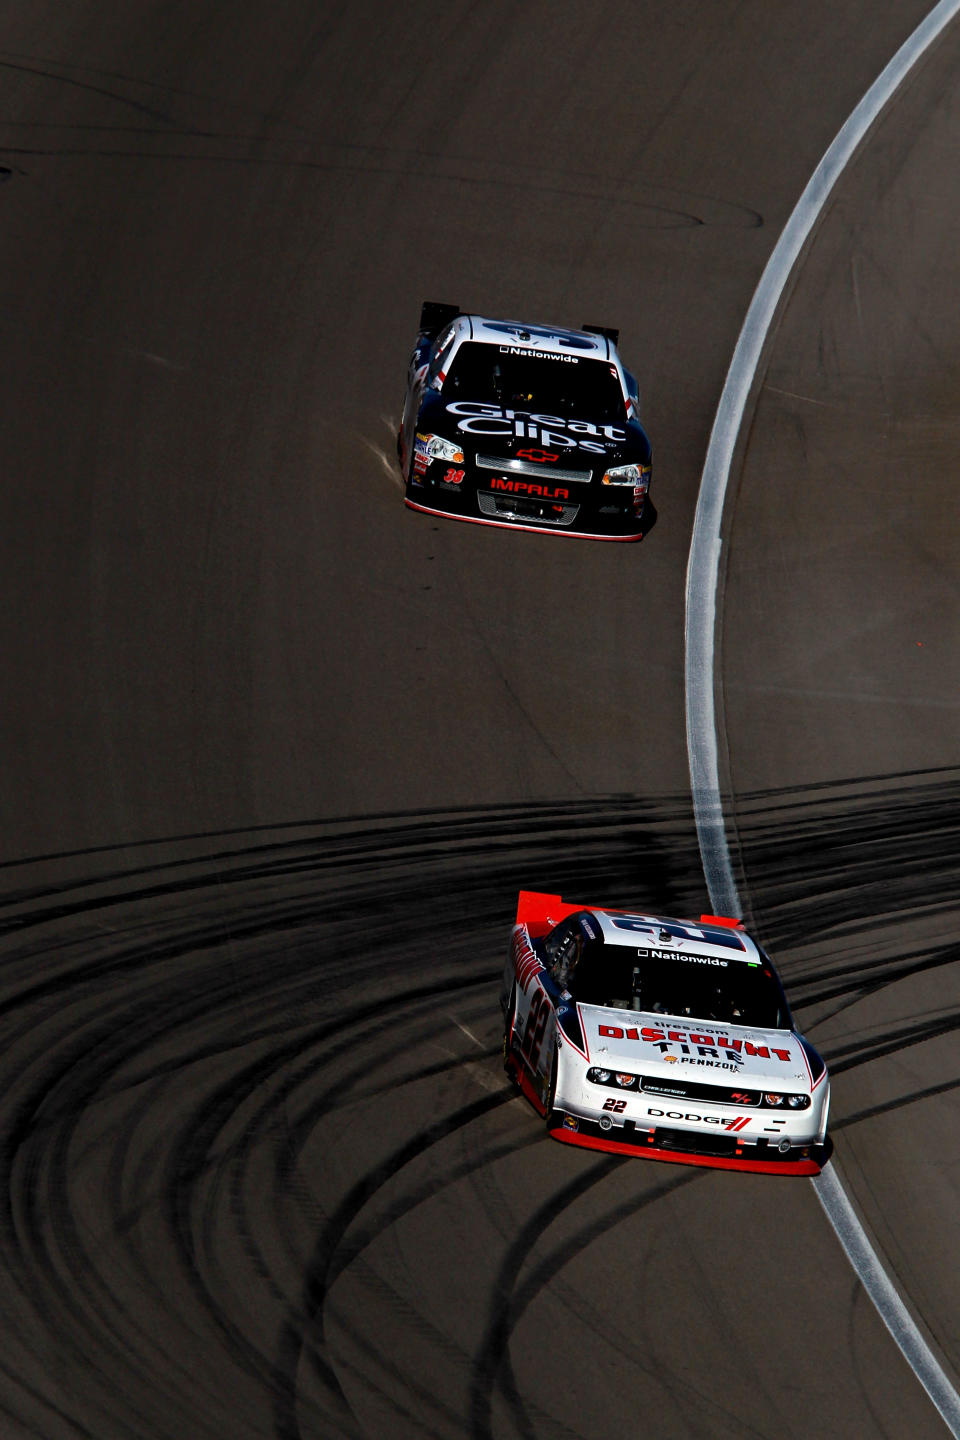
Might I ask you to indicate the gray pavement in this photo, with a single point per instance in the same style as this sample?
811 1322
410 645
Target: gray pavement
279 753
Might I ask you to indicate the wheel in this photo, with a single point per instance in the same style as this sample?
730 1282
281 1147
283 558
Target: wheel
404 460
551 1094
509 1064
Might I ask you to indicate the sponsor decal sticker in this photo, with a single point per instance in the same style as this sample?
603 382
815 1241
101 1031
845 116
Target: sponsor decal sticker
524 350
421 458
641 924
551 432
678 955
739 1122
524 487
503 327
536 1024
707 1044
524 959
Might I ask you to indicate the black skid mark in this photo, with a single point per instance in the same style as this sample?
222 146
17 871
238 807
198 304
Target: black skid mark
287 1182
832 858
575 834
889 1107
192 1157
499 1321
173 1022
39 1161
423 1399
59 79
545 1273
852 1055
350 1249
81 1075
187 1164
443 1344
868 977
58 69
304 1327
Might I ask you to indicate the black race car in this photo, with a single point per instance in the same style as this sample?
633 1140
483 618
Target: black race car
526 426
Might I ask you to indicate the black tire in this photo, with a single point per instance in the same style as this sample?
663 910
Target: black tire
405 471
509 1064
551 1095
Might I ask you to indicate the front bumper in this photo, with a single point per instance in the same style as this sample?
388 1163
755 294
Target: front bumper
530 502
685 1147
708 1130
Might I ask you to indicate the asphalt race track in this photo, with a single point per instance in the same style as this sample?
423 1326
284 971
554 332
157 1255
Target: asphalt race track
278 753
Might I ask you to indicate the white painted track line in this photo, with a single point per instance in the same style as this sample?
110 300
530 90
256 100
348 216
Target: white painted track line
703 576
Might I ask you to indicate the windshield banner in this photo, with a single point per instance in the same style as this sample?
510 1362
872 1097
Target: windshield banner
476 418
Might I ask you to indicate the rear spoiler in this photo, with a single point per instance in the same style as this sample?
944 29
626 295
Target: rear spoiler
606 331
434 315
541 912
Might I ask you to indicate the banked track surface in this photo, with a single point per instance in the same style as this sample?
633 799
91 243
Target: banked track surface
242 1090
261 1174
704 725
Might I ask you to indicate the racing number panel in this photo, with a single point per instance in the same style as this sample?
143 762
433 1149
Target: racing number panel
535 1036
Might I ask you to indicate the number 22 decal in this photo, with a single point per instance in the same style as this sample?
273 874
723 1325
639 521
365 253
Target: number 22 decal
536 1024
617 1105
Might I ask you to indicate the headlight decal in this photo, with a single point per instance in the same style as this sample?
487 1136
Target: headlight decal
636 475
434 447
692 1090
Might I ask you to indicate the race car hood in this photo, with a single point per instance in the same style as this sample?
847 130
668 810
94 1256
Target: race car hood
507 431
660 1046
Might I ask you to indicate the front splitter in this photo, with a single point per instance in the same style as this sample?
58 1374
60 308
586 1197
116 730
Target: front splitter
530 525
684 1157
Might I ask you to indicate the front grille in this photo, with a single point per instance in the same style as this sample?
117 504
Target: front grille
699 1143
691 1090
696 1142
522 507
525 467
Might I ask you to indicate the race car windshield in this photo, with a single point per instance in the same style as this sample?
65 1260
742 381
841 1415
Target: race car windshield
696 988
537 382
735 993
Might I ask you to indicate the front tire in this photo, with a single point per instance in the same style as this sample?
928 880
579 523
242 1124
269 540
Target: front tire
551 1095
509 1064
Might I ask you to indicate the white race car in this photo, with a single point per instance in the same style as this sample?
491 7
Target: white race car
665 1038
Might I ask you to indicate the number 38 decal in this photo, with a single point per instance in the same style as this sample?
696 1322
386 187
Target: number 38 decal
536 1024
617 1105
